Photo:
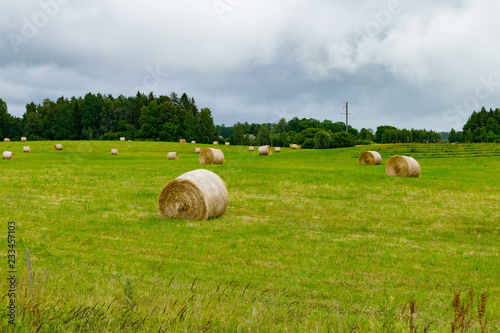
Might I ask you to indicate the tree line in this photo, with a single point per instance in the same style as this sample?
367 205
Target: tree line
482 126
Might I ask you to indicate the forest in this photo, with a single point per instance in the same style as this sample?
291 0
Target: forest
170 118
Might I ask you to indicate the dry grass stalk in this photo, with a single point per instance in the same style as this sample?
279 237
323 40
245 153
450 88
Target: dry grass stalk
481 313
197 150
227 143
114 151
402 166
26 149
172 156
6 139
182 141
277 149
294 146
370 158
265 150
58 146
24 139
195 195
8 155
122 138
211 156
413 328
250 149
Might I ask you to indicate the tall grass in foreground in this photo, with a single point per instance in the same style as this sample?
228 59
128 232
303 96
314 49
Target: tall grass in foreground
311 241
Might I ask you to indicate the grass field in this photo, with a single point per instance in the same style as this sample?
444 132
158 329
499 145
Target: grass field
311 240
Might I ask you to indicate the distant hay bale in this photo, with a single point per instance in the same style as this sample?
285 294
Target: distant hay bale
277 149
8 155
211 156
58 146
370 158
129 140
265 150
294 146
182 141
6 139
114 151
172 156
122 138
195 195
197 150
402 166
227 143
216 142
250 149
26 149
23 138
193 141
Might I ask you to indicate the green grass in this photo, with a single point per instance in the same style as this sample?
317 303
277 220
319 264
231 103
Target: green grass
310 242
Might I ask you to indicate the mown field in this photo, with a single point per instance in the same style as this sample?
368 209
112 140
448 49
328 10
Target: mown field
311 241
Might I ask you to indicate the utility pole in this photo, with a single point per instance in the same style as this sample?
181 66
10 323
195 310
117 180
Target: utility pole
346 117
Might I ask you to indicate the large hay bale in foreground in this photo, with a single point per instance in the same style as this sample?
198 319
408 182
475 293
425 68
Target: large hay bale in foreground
114 151
122 138
294 146
58 146
6 139
265 150
182 141
26 149
402 166
24 139
8 155
211 156
277 149
195 195
250 149
370 158
172 156
197 150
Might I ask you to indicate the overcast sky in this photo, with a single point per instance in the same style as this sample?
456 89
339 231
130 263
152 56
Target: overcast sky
410 64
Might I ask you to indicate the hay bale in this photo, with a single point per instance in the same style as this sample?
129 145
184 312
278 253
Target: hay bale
211 156
24 139
122 138
195 195
8 155
114 151
250 149
58 146
26 149
216 142
370 158
172 156
277 149
193 141
197 150
227 143
294 146
6 139
265 150
183 141
402 166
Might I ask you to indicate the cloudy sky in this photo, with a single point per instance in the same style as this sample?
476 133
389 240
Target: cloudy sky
410 64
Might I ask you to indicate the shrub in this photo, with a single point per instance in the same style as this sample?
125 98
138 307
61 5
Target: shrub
308 144
322 140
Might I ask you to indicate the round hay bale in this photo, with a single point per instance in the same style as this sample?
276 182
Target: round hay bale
182 141
294 146
277 149
193 141
227 143
8 155
197 150
216 142
172 156
211 156
195 195
58 146
265 150
114 151
6 139
370 158
26 149
250 149
402 166
122 138
24 139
